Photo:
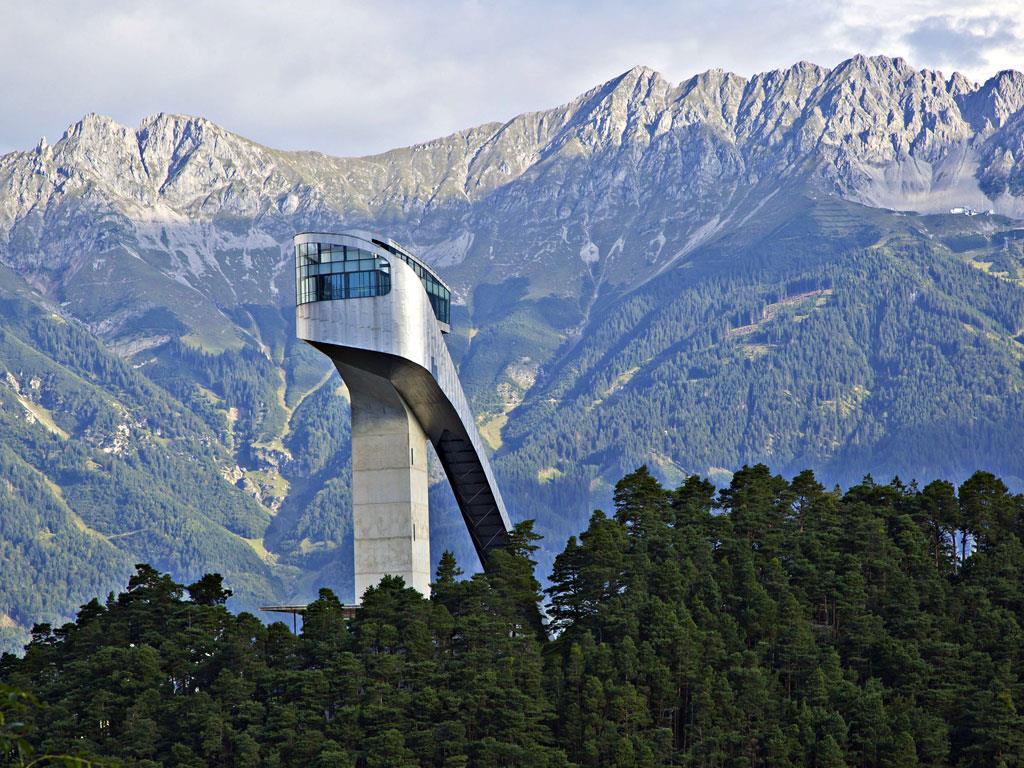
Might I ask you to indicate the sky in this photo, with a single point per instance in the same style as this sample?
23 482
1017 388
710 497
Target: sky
354 78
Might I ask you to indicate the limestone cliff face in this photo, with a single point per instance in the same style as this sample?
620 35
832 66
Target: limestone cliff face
631 173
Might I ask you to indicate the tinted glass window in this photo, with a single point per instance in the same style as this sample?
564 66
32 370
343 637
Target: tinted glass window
327 272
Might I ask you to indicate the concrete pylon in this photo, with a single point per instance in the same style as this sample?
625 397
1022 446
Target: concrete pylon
380 315
390 516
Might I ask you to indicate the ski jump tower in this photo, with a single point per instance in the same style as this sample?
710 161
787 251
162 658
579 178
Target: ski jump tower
380 314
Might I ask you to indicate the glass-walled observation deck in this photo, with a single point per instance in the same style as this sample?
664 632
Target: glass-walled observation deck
326 271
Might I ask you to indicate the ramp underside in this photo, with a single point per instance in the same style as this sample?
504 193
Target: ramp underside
472 492
467 470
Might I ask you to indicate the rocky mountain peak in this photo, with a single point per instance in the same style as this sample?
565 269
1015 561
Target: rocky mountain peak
881 110
959 85
638 72
622 110
988 107
851 123
711 97
878 69
187 158
774 101
99 148
93 125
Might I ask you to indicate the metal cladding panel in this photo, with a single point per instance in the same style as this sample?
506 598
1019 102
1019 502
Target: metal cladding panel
398 337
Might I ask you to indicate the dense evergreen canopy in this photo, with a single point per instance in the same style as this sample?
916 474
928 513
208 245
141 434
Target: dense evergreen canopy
772 623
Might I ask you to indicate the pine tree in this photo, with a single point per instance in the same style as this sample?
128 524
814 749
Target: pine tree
996 727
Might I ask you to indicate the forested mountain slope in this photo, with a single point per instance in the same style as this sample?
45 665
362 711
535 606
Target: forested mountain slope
693 276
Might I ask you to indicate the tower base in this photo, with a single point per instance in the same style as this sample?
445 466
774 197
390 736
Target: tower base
390 517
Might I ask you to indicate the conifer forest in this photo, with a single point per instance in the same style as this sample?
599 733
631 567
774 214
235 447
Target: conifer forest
771 623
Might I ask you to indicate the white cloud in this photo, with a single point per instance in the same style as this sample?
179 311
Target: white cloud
976 38
353 77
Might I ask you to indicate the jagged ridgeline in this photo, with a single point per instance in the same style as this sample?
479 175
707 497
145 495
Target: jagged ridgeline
692 276
773 623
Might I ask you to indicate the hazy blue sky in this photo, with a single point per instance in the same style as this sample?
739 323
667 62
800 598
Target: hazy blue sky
360 77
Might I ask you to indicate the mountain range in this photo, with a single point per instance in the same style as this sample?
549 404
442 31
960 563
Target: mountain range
784 268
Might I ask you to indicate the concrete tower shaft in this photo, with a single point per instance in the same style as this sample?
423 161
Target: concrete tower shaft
390 515
380 315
